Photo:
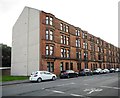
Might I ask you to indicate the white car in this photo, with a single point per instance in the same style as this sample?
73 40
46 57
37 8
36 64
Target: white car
117 70
42 75
106 70
98 71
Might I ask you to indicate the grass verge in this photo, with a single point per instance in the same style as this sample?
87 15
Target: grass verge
12 78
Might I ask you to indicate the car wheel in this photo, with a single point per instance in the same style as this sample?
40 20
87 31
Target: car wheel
53 78
39 80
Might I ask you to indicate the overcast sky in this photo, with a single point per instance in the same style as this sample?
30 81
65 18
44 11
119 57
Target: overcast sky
98 17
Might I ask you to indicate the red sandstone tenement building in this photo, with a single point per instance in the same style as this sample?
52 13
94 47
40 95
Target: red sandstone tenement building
43 42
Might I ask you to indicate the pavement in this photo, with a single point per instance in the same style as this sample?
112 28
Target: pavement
13 82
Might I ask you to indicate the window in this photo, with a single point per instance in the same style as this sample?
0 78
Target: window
77 43
67 40
50 66
66 28
68 53
49 34
77 32
47 20
61 66
71 66
51 21
86 65
85 55
78 54
49 50
61 26
83 35
67 66
62 53
64 39
61 39
65 52
97 41
78 66
85 45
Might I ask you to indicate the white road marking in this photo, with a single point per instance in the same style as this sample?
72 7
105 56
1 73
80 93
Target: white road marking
76 95
66 84
92 90
110 87
58 92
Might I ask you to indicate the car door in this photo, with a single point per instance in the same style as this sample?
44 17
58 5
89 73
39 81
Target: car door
48 75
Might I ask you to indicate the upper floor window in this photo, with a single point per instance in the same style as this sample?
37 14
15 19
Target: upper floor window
97 41
49 34
85 55
49 50
77 42
78 54
68 53
61 26
65 52
77 32
64 40
85 45
67 40
49 20
61 39
83 35
66 28
62 52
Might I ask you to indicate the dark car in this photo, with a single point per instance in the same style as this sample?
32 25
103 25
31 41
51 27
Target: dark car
68 74
85 72
112 70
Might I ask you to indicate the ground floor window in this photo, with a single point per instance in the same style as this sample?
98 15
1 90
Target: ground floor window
50 66
79 66
61 66
71 66
67 66
86 65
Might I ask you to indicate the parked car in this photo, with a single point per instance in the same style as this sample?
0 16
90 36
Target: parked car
42 75
106 71
112 70
98 71
85 72
117 70
68 74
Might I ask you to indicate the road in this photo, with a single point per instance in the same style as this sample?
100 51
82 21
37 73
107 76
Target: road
85 86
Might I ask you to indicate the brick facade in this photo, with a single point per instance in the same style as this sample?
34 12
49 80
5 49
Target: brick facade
99 52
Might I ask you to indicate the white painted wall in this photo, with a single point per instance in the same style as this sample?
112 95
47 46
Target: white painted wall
25 43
